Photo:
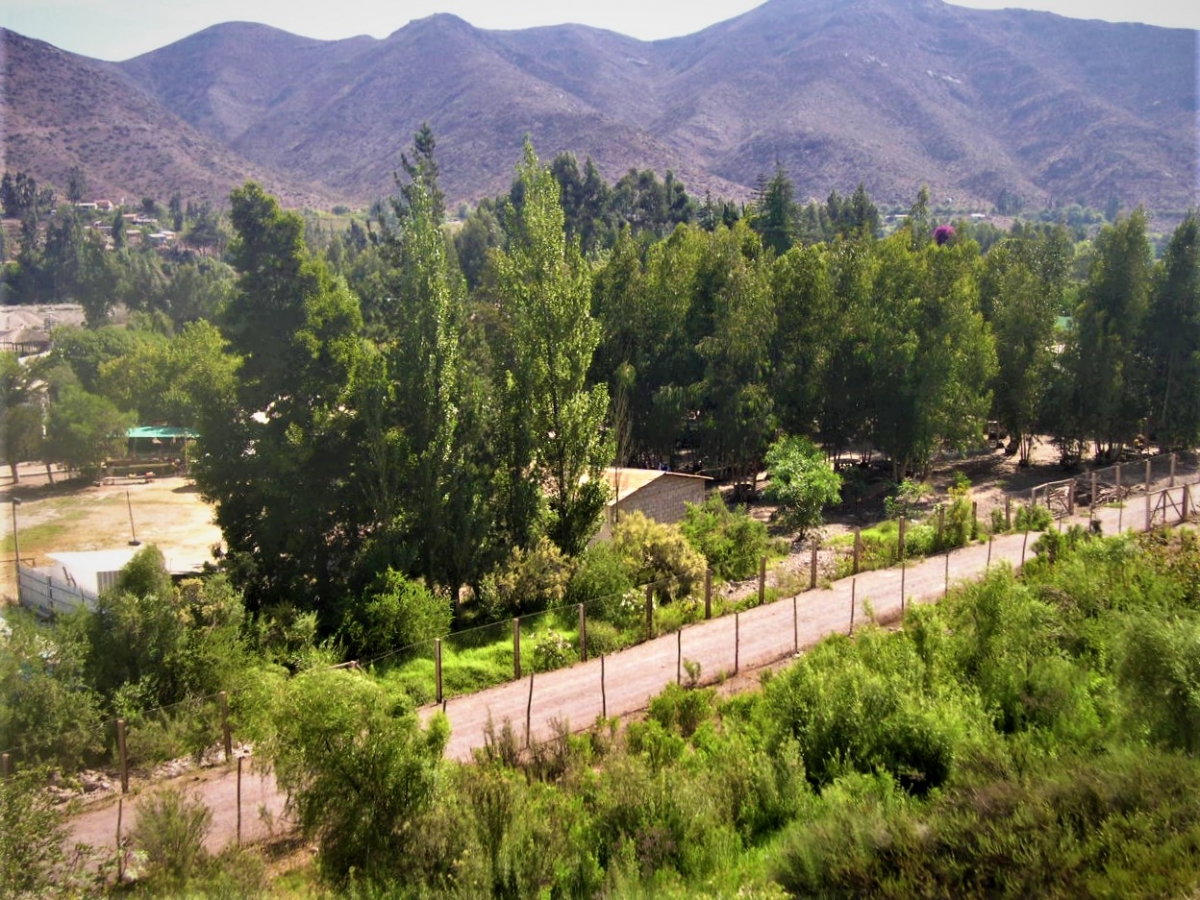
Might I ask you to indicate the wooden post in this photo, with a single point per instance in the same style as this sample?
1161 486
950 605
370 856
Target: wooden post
795 626
1024 541
1171 483
582 633
1071 497
857 550
853 597
1008 513
603 695
1119 482
708 593
437 670
650 610
737 641
1095 491
1147 476
1187 495
679 656
903 574
239 802
120 850
529 715
989 556
1149 514
900 541
812 566
762 580
517 649
946 590
226 731
123 753
941 525
974 518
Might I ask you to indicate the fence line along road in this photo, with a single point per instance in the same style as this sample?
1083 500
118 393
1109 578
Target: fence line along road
625 682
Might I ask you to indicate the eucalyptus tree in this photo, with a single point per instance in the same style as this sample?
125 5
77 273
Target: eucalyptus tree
1172 339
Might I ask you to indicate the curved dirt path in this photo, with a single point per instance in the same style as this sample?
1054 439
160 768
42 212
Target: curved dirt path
623 683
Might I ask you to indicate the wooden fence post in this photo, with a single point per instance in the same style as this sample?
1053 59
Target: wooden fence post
941 532
649 610
120 849
226 731
1118 468
1008 513
1171 483
946 590
812 566
900 540
582 634
517 649
857 550
1071 497
974 518
529 715
1149 514
1024 541
762 580
123 754
1095 492
603 695
1148 476
239 801
708 593
1187 495
903 574
853 597
679 656
989 556
737 641
795 626
437 669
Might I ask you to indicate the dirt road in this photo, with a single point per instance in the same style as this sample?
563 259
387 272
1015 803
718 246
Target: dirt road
624 683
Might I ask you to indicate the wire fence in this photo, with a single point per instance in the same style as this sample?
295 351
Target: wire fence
543 645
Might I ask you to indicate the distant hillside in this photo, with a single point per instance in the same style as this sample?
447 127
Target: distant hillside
894 93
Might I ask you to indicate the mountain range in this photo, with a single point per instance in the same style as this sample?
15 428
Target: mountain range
891 93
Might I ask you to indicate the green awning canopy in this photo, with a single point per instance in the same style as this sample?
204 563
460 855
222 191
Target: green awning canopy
162 432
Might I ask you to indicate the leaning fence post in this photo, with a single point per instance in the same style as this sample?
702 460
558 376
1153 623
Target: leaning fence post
120 850
529 715
989 556
517 649
437 670
226 731
853 597
762 580
1024 541
123 754
812 566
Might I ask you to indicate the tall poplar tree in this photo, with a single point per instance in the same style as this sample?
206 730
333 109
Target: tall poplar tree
554 421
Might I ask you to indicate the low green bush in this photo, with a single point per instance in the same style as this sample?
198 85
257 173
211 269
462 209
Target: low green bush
731 541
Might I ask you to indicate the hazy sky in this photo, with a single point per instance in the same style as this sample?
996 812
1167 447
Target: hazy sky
120 29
